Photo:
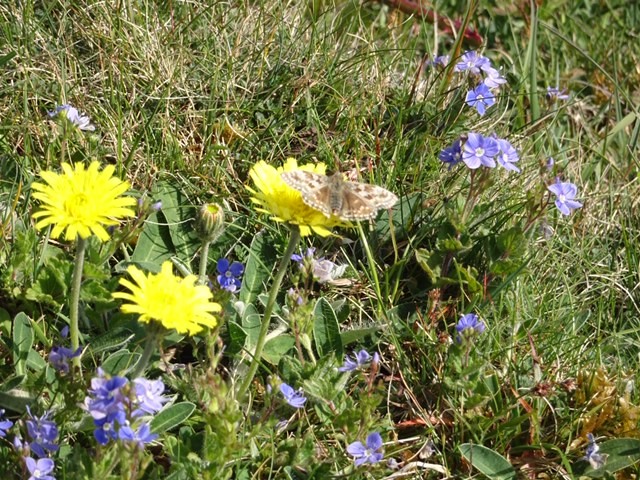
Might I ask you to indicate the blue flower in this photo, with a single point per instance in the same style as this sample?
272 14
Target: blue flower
40 469
508 155
493 78
4 424
71 113
468 327
59 357
359 360
480 98
472 62
565 193
367 453
301 257
554 94
106 427
295 398
441 61
592 453
479 150
149 395
43 433
108 397
229 278
140 437
550 163
451 155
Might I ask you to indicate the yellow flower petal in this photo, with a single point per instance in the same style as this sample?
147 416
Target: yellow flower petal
274 197
176 302
81 201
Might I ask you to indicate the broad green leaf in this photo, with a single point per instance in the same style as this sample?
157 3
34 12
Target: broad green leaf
180 215
172 416
154 243
491 463
326 330
12 382
35 361
22 341
352 336
251 326
277 347
237 339
262 257
15 400
112 340
119 362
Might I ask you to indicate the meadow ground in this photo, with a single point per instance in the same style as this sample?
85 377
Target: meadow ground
172 307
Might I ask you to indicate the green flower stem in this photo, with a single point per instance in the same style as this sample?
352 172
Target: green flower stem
373 268
294 239
204 258
153 334
76 283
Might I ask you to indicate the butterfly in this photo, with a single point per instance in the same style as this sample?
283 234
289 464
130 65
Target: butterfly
333 195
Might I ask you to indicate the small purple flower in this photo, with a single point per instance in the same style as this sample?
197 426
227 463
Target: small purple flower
295 398
493 78
107 394
468 327
367 453
59 357
593 455
358 360
565 193
106 428
554 94
324 271
140 437
294 297
43 433
472 62
507 155
149 396
479 150
71 113
4 424
229 278
451 155
480 98
439 61
300 258
40 469
64 333
550 163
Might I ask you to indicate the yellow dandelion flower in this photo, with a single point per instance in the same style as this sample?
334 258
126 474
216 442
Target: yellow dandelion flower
176 302
81 201
284 203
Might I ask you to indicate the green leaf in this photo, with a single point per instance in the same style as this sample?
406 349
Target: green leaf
237 337
16 400
172 416
112 340
22 341
261 257
277 347
352 336
154 243
326 330
492 464
251 326
35 361
180 215
119 362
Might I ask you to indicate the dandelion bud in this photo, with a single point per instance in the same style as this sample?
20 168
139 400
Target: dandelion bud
210 222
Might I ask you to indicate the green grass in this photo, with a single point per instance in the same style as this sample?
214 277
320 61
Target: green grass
188 96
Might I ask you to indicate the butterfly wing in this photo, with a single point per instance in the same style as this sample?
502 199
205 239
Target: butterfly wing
314 188
377 198
355 207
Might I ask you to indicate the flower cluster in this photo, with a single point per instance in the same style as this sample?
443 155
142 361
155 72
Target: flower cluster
274 197
59 357
115 404
320 269
229 275
175 302
43 435
4 425
476 151
81 201
481 97
358 361
468 327
71 114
